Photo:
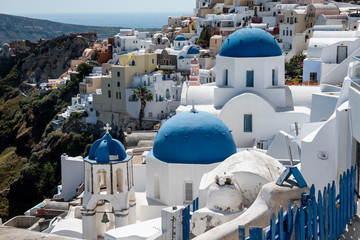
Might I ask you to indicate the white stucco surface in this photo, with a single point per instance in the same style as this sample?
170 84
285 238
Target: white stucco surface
138 231
249 169
71 227
72 176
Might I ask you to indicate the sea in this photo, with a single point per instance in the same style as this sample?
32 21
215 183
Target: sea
125 20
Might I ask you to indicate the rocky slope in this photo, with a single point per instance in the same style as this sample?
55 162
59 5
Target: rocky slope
36 63
30 149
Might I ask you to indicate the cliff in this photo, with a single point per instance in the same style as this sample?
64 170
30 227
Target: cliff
30 149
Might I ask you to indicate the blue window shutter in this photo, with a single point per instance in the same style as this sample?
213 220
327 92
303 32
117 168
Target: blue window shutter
250 78
247 123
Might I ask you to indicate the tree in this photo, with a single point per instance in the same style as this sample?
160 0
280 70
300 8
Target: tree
144 95
84 70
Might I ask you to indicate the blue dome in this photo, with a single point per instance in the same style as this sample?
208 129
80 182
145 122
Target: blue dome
194 138
102 149
180 38
250 42
193 50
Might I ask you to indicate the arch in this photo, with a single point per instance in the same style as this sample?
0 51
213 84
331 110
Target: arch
101 183
157 186
133 63
119 180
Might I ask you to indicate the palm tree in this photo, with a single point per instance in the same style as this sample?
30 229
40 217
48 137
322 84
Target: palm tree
144 95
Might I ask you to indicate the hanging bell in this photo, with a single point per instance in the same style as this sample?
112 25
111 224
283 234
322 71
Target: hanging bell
105 218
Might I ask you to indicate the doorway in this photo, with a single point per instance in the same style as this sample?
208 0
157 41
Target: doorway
341 54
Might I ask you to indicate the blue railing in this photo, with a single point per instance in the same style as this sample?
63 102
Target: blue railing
187 217
323 218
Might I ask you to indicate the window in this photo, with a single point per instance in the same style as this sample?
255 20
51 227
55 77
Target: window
118 74
290 33
108 84
313 76
247 123
118 84
283 32
117 95
132 98
287 20
188 192
226 77
250 78
287 32
295 20
109 94
91 109
150 114
274 78
153 61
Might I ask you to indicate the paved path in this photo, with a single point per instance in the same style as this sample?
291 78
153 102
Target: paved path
353 230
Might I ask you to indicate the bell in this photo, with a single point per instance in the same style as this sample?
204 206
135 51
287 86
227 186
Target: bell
105 218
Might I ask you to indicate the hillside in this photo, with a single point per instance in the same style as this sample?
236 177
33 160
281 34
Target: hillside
15 28
30 149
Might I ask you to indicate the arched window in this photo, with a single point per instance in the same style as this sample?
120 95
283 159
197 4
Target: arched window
167 93
133 63
101 180
157 186
119 180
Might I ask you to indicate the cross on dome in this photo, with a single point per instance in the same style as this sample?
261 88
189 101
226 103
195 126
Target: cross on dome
107 128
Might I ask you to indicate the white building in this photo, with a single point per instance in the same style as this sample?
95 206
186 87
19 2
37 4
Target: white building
329 54
166 91
130 41
249 89
225 22
207 76
187 146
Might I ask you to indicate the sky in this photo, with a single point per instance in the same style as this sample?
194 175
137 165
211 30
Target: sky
92 6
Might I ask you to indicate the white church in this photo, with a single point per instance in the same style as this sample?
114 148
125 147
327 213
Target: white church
250 95
223 146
